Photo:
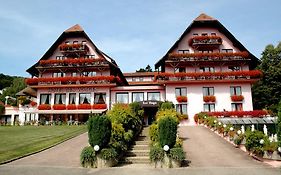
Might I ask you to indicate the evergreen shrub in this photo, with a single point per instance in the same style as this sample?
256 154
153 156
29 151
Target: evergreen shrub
167 129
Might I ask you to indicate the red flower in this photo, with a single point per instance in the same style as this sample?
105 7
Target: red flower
182 98
210 98
214 55
254 113
196 118
99 106
71 107
59 107
237 97
84 106
44 107
33 103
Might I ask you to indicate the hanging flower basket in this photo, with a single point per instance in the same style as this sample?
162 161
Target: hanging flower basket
210 98
59 107
237 97
182 99
44 107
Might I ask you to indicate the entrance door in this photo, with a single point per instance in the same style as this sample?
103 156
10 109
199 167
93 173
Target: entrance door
149 115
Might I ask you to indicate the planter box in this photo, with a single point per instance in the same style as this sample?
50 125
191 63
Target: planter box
101 163
167 163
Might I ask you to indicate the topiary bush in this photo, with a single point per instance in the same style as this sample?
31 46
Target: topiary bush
99 131
88 157
167 129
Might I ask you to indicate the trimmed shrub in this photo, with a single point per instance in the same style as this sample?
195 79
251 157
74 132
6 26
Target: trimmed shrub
167 112
109 154
156 154
99 131
88 157
117 140
153 132
167 129
167 105
177 154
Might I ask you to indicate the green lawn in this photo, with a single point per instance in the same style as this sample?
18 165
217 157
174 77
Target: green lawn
17 141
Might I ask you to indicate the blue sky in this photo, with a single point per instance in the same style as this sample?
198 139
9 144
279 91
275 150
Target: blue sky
134 32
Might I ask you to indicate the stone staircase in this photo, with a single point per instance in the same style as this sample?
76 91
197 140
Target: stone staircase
139 152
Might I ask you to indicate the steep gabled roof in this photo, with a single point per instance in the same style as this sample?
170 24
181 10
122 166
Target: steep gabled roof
204 20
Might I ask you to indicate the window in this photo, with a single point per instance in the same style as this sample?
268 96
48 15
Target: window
180 69
227 50
60 98
213 34
75 42
204 34
137 96
100 98
183 51
122 98
181 108
74 74
72 98
153 96
195 34
88 74
204 51
45 98
209 107
59 57
207 69
89 56
207 91
66 42
84 42
235 68
134 79
84 98
235 90
236 107
141 78
181 91
58 74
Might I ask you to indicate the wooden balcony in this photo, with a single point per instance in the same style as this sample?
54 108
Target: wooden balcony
73 49
207 57
205 42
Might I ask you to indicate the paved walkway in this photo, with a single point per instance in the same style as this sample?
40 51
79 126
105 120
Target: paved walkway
208 153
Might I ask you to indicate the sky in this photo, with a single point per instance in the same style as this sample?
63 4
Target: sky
133 32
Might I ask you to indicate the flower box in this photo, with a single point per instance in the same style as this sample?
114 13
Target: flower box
44 107
71 107
210 98
59 107
254 113
201 42
182 99
84 106
237 97
78 61
214 55
99 106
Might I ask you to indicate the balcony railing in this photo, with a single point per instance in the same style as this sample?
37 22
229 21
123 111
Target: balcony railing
235 75
70 62
73 80
202 42
215 56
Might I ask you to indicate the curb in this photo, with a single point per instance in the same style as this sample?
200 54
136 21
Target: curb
38 151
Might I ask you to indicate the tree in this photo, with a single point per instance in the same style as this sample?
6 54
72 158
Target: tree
146 69
279 125
267 91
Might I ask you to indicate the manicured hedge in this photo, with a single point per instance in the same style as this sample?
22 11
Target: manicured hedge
167 128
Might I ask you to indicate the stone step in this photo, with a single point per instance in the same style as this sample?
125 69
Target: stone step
142 138
136 153
136 160
144 142
140 147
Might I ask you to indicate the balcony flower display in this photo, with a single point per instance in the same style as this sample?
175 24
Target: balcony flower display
71 107
214 55
205 40
71 61
84 106
182 99
254 113
59 107
77 46
99 106
209 98
237 97
44 107
217 75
